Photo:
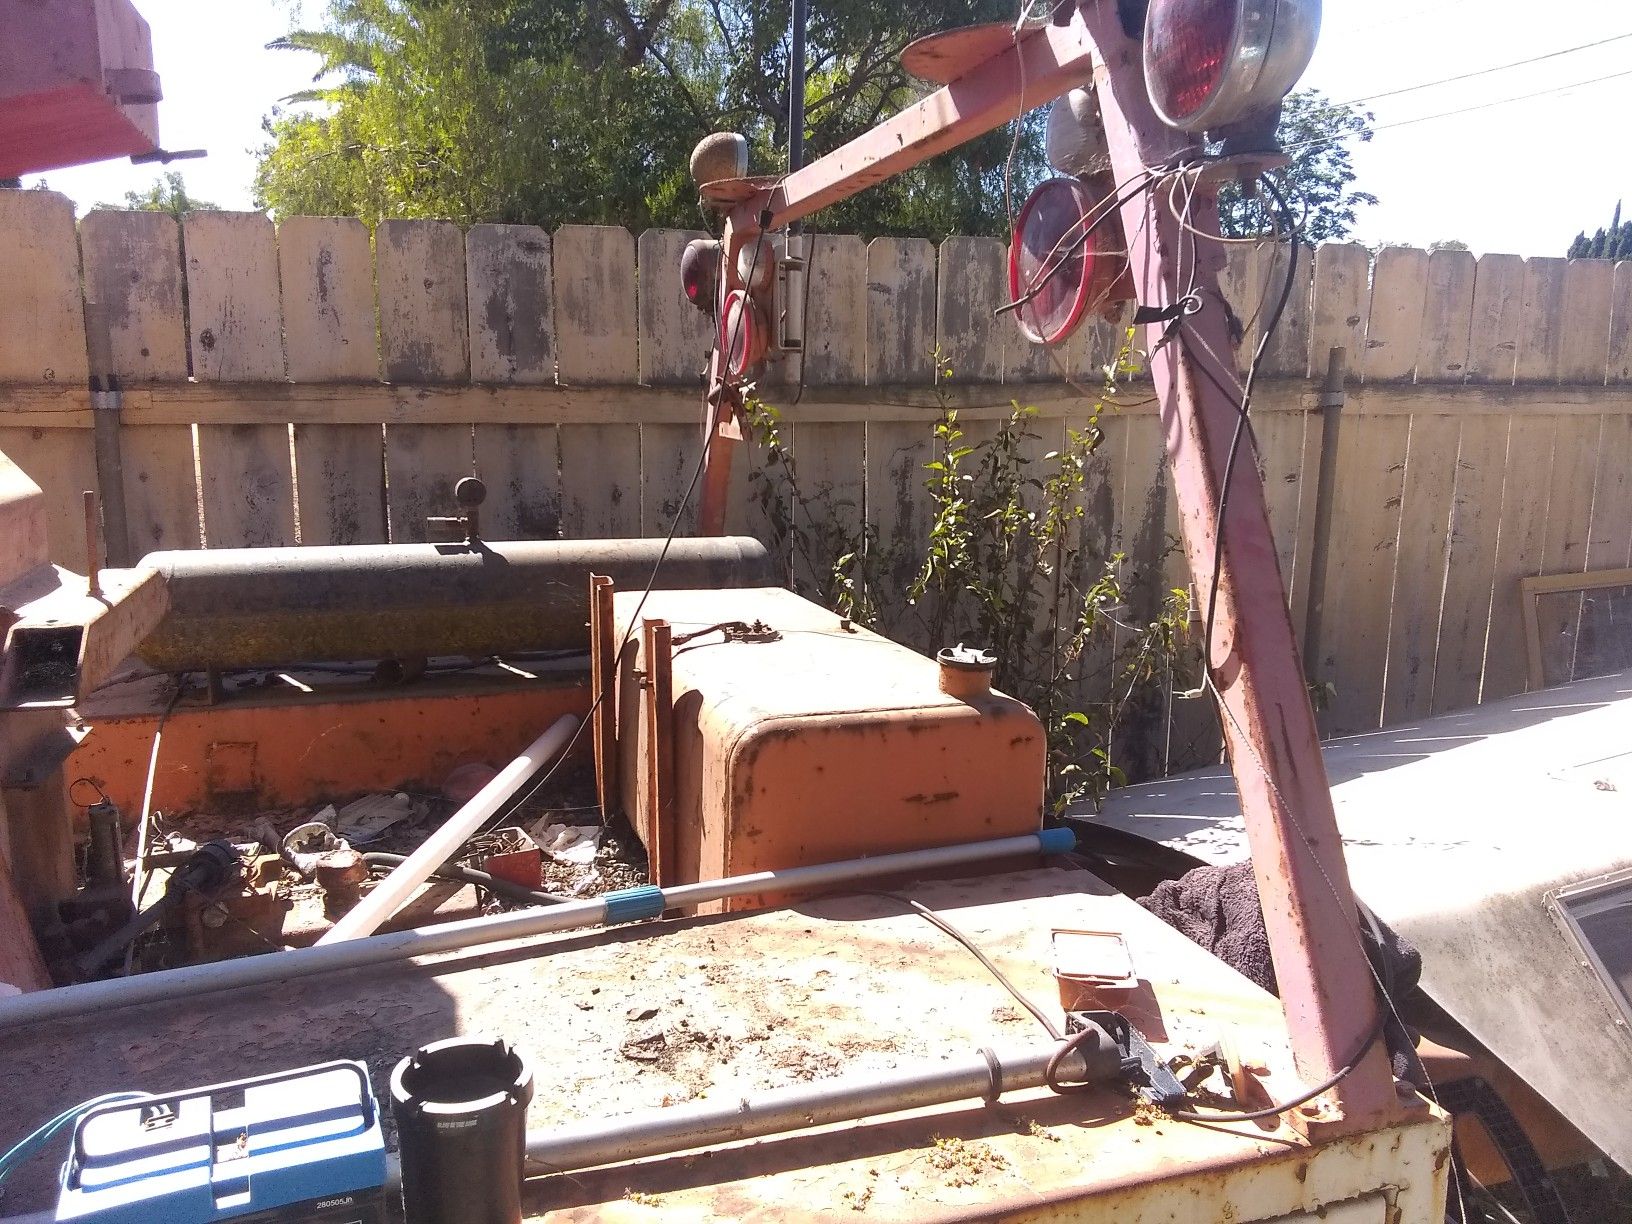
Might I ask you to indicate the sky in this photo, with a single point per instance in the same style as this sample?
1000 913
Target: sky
1521 177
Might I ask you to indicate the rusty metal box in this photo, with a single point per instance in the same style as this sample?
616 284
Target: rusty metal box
826 742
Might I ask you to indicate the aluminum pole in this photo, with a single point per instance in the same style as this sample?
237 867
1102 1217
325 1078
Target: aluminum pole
680 1128
627 905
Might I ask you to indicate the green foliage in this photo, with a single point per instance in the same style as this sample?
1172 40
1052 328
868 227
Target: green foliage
1009 565
1318 182
168 194
1612 243
543 111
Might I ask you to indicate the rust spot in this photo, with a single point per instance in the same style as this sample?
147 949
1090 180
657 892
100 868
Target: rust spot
206 339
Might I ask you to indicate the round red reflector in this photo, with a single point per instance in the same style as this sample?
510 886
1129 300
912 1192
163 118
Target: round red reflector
1190 47
1051 264
700 273
742 333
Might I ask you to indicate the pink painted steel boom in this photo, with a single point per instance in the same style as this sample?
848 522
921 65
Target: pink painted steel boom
1325 979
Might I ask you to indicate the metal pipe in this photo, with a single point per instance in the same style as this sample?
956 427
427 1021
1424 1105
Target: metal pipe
260 607
679 1128
391 893
626 906
796 88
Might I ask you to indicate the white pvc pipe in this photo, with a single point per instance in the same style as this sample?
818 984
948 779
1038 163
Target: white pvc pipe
392 893
42 1006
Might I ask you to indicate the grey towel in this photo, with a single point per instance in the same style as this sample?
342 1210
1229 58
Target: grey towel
1218 908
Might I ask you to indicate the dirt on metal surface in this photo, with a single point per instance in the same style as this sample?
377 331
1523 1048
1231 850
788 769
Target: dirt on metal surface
639 1017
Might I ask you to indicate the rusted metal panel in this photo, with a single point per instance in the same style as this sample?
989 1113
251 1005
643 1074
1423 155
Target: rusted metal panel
824 744
282 747
76 84
622 1021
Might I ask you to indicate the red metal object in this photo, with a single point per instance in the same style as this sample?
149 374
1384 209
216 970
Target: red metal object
1053 266
76 84
1325 979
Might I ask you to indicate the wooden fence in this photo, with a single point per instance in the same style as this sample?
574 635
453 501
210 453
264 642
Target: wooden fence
312 383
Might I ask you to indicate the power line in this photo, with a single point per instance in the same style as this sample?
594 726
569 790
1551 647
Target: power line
1400 19
1466 110
1468 76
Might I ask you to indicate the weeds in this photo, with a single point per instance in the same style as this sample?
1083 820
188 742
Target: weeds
1012 561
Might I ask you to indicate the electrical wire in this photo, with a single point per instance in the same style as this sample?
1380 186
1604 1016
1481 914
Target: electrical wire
33 1142
1243 413
940 923
1468 76
663 553
1451 114
1276 1110
1243 424
1107 208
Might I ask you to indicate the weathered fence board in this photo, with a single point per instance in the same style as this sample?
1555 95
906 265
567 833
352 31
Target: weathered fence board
420 270
42 340
1478 443
236 335
1353 646
1447 317
1498 302
1470 567
510 293
1518 552
1419 577
132 268
901 293
1620 325
596 343
326 273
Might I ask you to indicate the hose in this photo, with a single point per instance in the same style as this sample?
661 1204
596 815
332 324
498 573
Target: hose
508 889
29 1145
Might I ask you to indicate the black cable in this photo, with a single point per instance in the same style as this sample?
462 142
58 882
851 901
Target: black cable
1051 1073
1244 409
657 566
1070 1044
460 874
1049 272
941 924
1274 1111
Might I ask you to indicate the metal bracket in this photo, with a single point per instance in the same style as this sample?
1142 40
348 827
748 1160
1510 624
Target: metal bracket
1140 1065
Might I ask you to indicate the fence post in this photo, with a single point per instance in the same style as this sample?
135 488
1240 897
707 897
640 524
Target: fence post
107 401
1332 396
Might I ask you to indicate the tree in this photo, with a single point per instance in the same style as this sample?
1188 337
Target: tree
546 111
1448 244
1317 182
168 194
1613 243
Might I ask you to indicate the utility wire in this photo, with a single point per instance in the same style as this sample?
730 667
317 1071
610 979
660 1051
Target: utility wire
1468 76
1466 110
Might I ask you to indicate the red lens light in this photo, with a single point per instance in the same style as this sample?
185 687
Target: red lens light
1051 263
1188 48
700 273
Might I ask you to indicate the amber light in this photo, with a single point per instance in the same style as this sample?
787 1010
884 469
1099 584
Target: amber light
1189 45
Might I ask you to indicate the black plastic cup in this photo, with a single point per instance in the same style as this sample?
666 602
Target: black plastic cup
461 1111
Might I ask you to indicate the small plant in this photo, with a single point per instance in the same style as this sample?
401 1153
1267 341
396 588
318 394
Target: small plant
1010 566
